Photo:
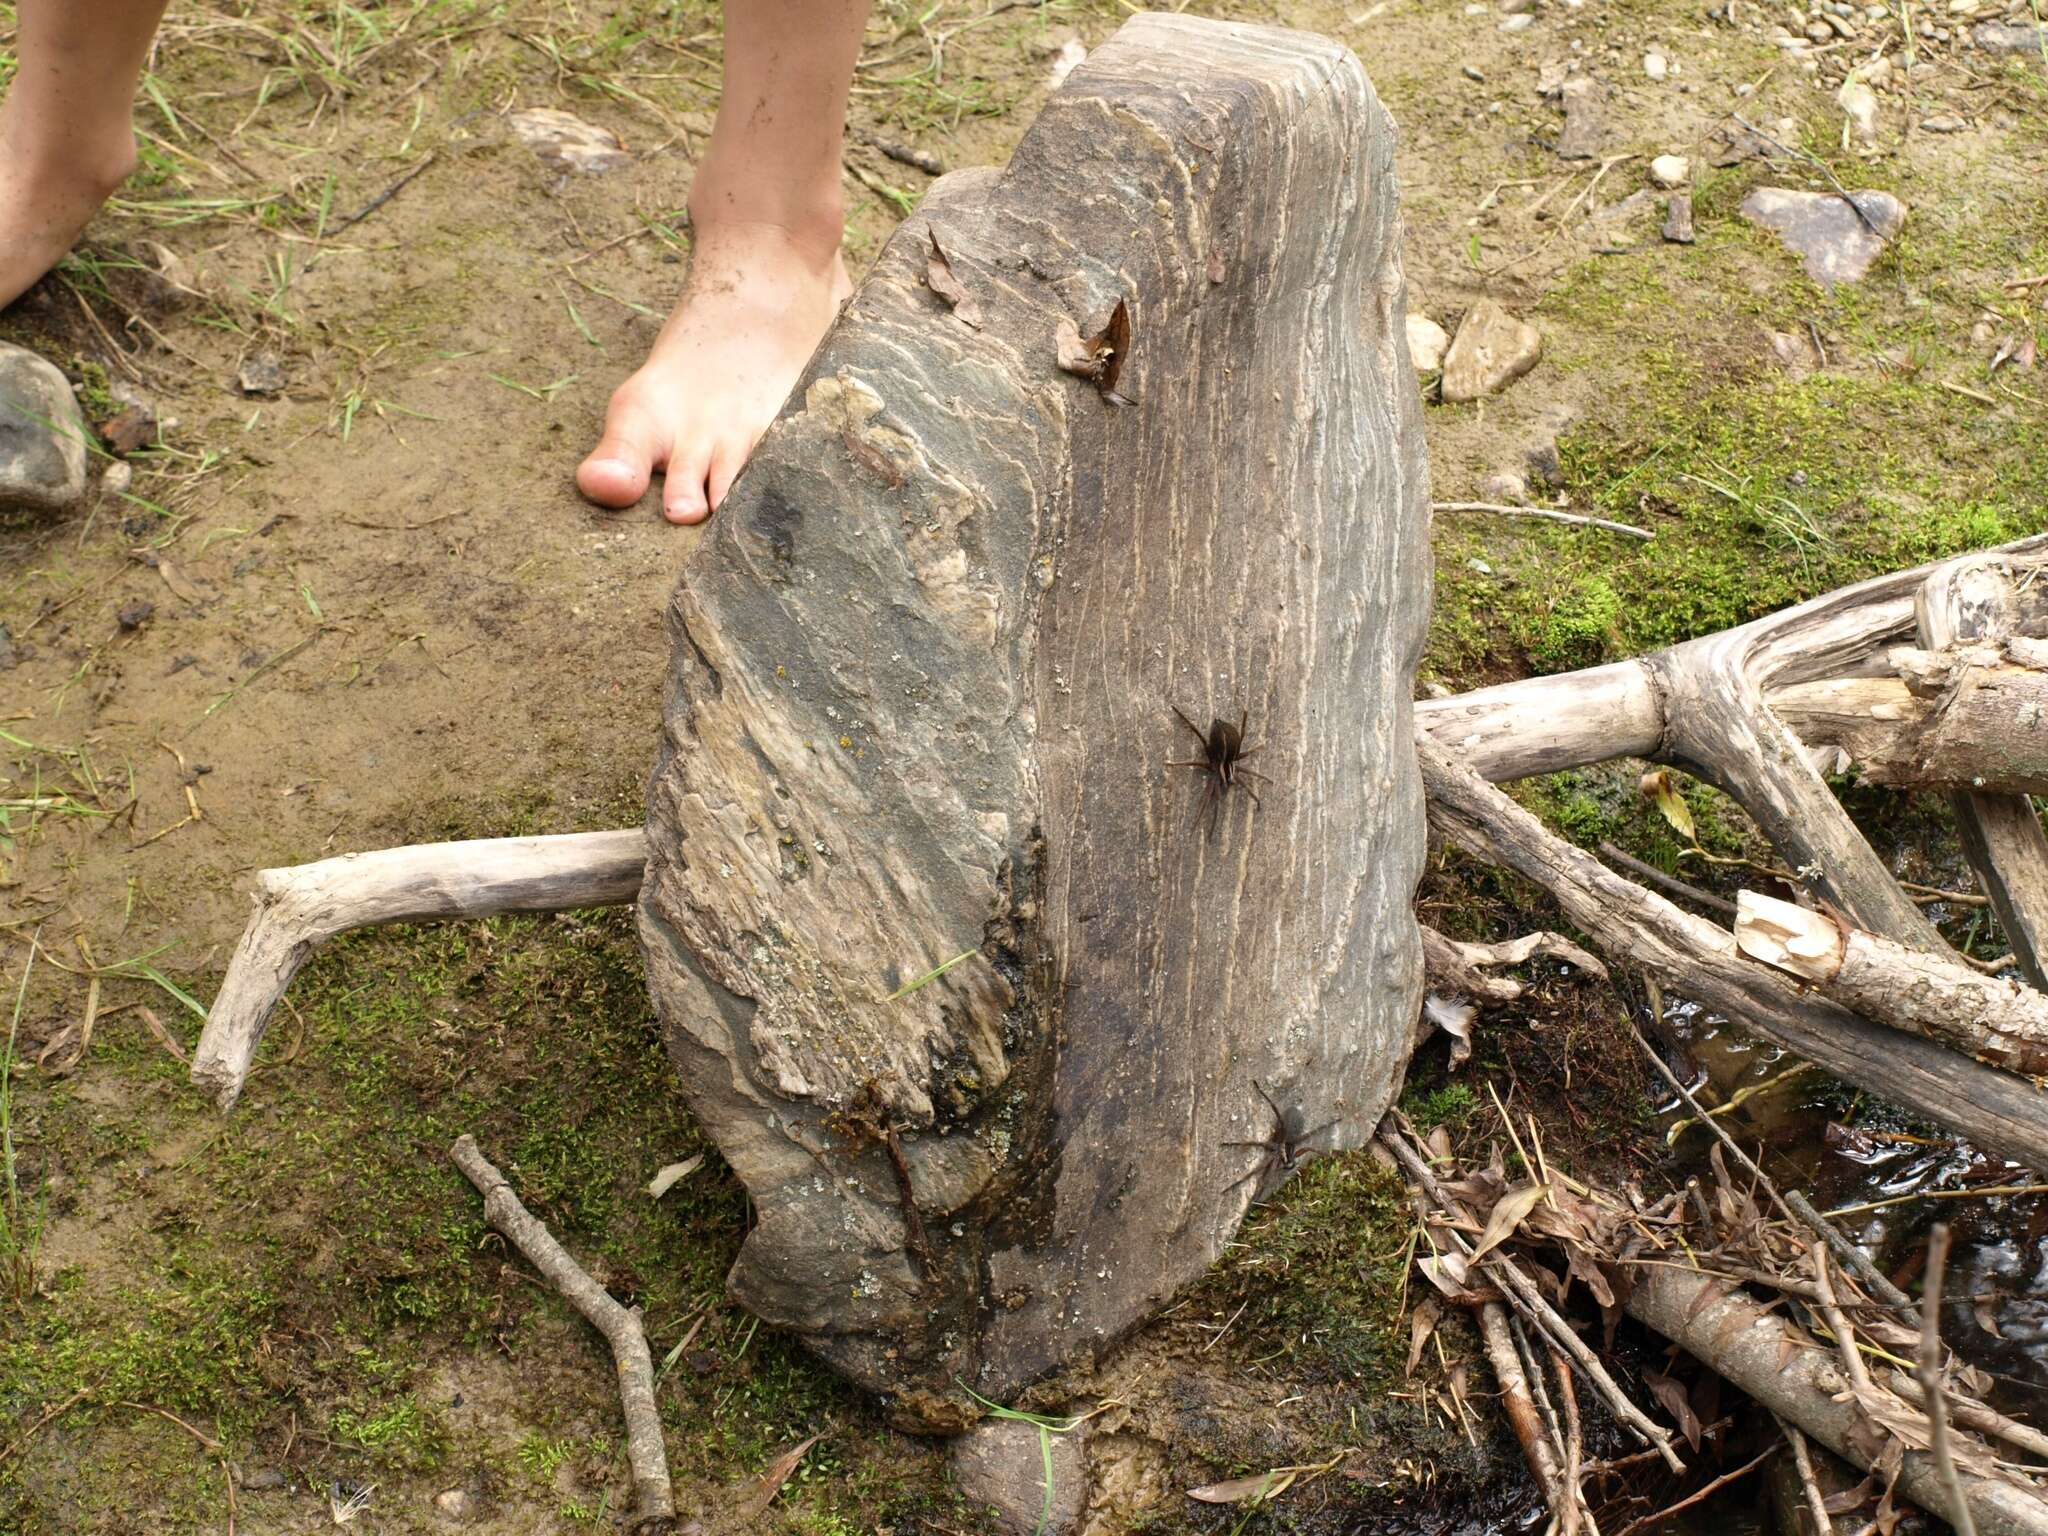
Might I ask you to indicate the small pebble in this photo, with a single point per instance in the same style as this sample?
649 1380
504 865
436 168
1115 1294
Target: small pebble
1473 72
1521 23
454 1504
117 477
1670 170
1944 122
1656 66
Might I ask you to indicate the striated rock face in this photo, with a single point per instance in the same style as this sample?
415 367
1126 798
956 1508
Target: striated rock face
925 666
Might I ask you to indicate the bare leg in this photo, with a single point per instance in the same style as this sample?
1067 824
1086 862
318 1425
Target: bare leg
66 140
766 217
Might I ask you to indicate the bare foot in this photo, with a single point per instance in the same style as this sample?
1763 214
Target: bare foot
757 304
48 194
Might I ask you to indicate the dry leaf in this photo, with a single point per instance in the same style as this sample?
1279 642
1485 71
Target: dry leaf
1445 1271
1507 1215
666 1180
938 276
1098 358
761 1492
1421 1324
1454 1018
177 582
1266 1485
1657 787
1674 1399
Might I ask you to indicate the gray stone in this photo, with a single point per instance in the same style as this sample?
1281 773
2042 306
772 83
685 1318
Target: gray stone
1678 228
564 142
2011 36
1585 118
924 663
1520 23
1427 343
1836 241
262 1479
1492 350
261 375
457 1504
42 435
1000 1466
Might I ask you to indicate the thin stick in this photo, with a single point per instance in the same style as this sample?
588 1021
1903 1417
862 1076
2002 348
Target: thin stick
1802 1458
1670 885
1574 1446
1986 1421
1520 1407
1693 1498
620 1325
1531 1304
1795 1205
1986 1192
381 198
1845 1336
1548 514
1929 1375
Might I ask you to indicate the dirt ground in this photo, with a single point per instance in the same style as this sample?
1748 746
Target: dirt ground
365 606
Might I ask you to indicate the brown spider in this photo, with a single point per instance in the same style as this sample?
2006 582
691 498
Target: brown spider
1223 753
1286 1149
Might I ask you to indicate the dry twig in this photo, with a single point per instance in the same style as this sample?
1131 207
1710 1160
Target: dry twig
1929 1374
655 1501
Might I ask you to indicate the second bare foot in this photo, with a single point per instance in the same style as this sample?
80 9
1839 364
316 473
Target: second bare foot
756 306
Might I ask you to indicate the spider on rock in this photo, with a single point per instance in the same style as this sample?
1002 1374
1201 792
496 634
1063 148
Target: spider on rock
1286 1148
1221 764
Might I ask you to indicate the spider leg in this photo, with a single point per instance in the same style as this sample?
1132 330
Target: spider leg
1279 1115
1246 752
1184 720
1247 773
1252 792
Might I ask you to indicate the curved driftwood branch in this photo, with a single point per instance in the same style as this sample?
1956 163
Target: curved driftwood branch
1782 1367
1977 600
2002 1113
300 908
654 1497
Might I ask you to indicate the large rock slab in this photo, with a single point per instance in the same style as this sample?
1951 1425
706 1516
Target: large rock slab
1836 235
921 706
42 435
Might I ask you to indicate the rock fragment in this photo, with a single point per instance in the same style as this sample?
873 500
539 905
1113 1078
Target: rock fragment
1491 351
42 435
1836 236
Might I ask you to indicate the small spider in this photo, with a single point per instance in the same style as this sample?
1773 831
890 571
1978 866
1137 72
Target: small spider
1287 1148
1223 754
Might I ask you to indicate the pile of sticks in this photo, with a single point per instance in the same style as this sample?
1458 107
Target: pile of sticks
1754 1290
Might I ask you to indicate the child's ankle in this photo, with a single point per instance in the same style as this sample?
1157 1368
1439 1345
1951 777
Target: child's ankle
813 221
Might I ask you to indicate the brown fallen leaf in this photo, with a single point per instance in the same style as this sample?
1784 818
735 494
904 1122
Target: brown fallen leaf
761 1492
1263 1486
1421 1324
939 277
177 581
1675 1400
1098 358
1507 1215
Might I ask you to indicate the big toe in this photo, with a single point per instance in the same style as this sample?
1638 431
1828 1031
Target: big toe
616 472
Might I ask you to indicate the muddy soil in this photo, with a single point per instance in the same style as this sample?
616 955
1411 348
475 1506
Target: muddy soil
348 598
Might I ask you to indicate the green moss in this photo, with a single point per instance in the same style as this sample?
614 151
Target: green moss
1450 1104
1580 626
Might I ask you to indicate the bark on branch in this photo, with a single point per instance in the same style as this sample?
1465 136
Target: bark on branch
1999 1022
2000 1112
1782 1367
654 1499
